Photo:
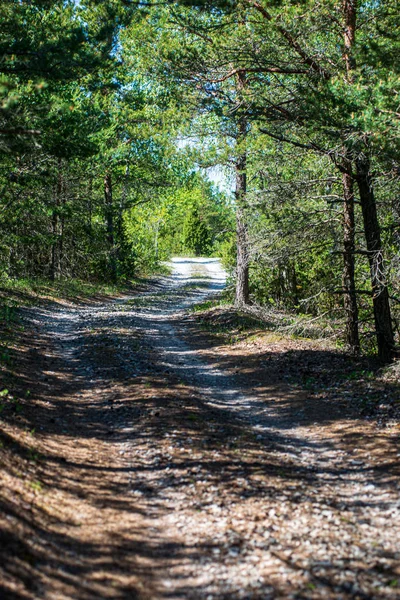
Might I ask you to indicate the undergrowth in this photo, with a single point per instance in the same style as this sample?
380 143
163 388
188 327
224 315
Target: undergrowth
220 312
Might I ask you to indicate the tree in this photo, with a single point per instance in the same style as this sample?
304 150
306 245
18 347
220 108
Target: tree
298 83
196 234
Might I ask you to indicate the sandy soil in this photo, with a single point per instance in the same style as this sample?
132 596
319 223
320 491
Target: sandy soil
146 455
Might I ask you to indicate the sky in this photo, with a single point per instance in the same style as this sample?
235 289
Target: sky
221 178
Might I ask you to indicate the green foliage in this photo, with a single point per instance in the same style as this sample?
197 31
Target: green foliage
196 235
84 98
159 229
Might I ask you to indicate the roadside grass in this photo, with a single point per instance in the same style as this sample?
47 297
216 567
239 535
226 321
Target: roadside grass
15 293
29 292
222 300
220 315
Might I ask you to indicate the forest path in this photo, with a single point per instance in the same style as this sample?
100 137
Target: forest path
169 466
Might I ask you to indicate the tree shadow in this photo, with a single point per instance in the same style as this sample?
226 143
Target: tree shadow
112 392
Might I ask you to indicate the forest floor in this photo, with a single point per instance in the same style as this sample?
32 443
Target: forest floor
151 451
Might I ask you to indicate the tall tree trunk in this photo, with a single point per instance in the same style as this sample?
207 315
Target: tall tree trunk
120 237
380 294
242 243
110 225
350 21
348 277
63 201
242 255
242 261
55 247
90 208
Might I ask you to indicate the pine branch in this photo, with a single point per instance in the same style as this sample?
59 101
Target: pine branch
293 43
20 131
293 142
258 70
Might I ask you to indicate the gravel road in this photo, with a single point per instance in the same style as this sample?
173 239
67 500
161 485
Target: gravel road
239 501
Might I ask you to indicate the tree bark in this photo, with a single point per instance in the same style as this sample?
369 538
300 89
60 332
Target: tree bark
119 250
55 247
350 21
110 225
242 261
90 208
242 243
54 229
242 255
348 276
63 200
380 294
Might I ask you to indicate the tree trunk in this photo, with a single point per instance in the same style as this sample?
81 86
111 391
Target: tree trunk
63 200
55 247
350 21
380 294
110 225
119 250
242 260
242 256
90 208
292 284
348 277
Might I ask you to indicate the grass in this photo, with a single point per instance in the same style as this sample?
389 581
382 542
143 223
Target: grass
195 285
27 292
202 276
221 300
219 316
146 301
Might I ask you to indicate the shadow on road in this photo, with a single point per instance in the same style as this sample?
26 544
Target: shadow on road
111 439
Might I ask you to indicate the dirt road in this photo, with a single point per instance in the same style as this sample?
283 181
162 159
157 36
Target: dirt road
151 461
